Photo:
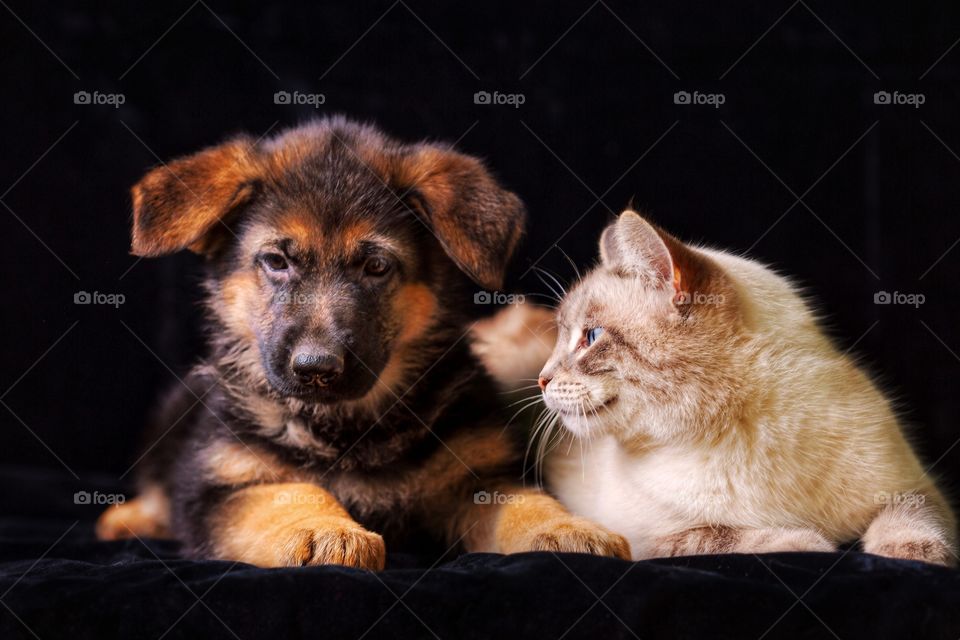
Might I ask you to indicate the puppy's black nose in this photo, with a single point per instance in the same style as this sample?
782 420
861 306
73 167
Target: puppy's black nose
317 367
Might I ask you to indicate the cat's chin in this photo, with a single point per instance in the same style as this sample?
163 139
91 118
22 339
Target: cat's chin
593 423
579 427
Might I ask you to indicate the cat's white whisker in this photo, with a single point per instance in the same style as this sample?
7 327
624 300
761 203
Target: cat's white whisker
554 287
544 446
526 407
553 299
583 465
563 289
534 398
590 432
518 389
535 436
572 263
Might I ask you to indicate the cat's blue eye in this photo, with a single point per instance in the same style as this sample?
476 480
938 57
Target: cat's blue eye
593 334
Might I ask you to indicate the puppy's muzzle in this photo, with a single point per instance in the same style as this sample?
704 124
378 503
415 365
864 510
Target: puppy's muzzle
317 367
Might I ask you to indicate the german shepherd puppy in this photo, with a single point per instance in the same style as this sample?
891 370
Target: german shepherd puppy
340 396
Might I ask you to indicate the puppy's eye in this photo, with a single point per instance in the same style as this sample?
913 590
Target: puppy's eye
274 262
592 335
376 266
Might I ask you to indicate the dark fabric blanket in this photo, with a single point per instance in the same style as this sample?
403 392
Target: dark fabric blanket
57 581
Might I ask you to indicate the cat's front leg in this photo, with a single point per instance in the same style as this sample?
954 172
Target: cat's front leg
726 539
915 526
515 519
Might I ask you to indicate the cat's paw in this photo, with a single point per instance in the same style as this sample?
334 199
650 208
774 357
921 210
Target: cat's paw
779 540
929 550
323 540
576 535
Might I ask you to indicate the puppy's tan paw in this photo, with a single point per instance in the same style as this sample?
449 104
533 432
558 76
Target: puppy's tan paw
576 535
330 541
131 519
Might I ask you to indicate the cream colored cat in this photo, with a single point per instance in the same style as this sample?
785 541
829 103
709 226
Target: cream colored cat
706 412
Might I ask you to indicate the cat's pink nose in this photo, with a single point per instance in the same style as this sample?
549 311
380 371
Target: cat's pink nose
543 381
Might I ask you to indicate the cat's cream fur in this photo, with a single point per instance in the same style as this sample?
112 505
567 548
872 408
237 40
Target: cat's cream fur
713 414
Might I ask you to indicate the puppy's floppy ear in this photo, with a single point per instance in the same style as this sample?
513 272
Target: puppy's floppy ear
181 205
477 221
632 246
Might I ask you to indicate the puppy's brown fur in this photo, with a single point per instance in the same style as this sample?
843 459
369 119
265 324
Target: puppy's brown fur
340 395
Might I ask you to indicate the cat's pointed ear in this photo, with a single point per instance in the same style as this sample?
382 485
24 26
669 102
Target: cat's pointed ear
183 204
632 246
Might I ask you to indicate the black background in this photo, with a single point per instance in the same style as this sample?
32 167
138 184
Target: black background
598 127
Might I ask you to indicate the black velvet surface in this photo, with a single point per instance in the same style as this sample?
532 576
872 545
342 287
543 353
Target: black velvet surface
57 581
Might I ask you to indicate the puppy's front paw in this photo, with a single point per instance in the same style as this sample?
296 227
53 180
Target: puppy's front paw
326 540
134 518
577 535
